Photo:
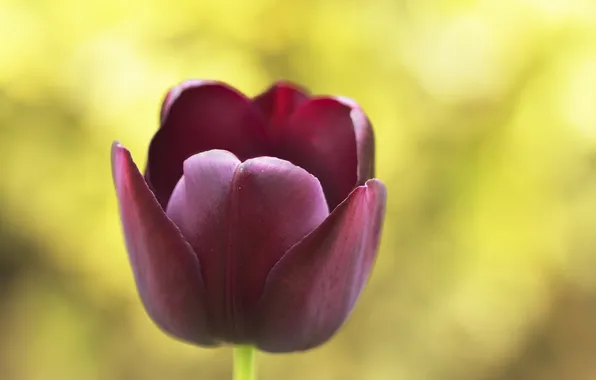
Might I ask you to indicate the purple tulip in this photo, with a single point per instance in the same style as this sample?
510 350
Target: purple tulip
257 221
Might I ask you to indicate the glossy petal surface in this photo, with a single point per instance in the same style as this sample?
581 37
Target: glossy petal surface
240 220
199 116
200 208
166 270
332 139
313 288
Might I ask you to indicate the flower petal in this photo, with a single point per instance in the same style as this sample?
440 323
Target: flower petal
200 208
311 291
269 205
199 116
278 102
332 139
166 270
365 142
275 205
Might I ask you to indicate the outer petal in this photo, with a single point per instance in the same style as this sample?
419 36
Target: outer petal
198 116
311 291
241 219
279 102
332 139
365 141
166 270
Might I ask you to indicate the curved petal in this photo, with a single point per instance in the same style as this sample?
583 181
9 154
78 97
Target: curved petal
198 116
241 219
332 139
200 208
365 141
166 270
275 205
311 291
278 102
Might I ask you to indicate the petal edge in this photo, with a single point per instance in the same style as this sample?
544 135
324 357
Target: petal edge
199 116
166 271
311 291
278 102
331 138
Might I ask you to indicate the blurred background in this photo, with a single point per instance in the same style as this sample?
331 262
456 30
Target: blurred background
485 115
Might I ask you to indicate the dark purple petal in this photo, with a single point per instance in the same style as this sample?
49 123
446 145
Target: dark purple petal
166 270
274 205
365 142
332 139
311 291
198 116
241 219
279 102
200 208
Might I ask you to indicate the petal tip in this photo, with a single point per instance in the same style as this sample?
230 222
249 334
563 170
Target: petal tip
117 147
288 84
377 190
348 102
375 184
118 153
264 163
190 84
341 101
213 155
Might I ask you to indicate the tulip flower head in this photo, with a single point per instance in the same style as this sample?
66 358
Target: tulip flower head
257 221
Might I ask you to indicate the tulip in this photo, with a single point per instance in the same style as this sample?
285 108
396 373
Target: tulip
257 221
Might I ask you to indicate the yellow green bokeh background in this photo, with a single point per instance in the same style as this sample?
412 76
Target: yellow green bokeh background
485 116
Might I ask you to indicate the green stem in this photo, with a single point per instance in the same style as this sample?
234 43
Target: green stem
244 363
